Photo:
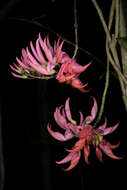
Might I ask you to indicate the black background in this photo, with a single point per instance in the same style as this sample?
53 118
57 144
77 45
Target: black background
28 105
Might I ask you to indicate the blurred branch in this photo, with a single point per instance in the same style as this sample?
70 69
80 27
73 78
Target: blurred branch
115 63
76 28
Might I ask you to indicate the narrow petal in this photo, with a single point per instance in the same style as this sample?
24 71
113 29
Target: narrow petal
86 152
115 146
79 69
46 50
21 63
101 128
59 136
99 154
78 146
74 157
33 63
34 52
49 45
67 110
106 148
19 76
76 83
39 52
109 130
59 53
60 119
13 68
67 158
93 112
74 161
81 118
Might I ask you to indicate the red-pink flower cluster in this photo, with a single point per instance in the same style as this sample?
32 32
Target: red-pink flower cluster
44 62
86 133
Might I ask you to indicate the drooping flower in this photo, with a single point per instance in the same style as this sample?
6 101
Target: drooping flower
45 61
85 132
69 73
41 61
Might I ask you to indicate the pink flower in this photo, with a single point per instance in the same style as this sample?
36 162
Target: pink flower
69 72
86 133
41 62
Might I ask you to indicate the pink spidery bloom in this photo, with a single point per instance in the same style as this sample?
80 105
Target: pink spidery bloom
45 61
40 61
85 132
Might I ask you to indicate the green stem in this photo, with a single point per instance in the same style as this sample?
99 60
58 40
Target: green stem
104 94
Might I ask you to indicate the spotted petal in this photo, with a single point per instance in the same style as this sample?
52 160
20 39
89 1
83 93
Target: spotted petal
91 117
109 130
106 148
73 157
60 118
58 135
67 110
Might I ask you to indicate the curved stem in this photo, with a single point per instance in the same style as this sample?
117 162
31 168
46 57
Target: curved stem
104 94
109 59
115 63
57 34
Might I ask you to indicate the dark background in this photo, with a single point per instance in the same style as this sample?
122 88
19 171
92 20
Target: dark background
28 105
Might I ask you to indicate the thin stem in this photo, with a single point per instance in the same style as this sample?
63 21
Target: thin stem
117 18
54 32
104 94
102 20
76 28
111 16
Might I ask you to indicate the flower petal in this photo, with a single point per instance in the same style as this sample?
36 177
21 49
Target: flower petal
21 63
59 136
74 161
109 130
59 52
81 118
33 63
39 52
60 119
106 148
73 157
99 154
86 152
46 49
101 128
91 117
78 68
76 83
74 128
78 146
67 110
66 159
